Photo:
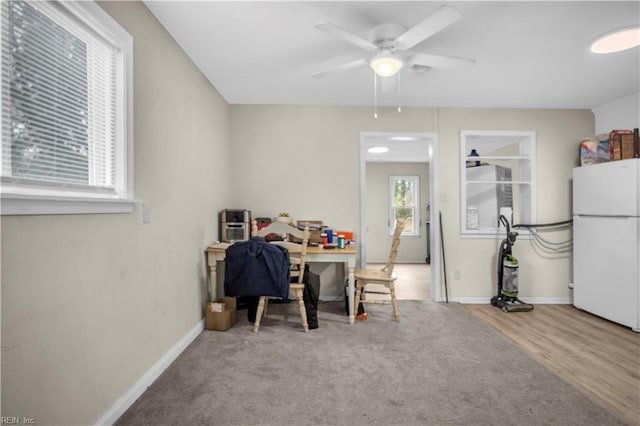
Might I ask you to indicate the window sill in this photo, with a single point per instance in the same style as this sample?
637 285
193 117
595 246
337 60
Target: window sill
13 204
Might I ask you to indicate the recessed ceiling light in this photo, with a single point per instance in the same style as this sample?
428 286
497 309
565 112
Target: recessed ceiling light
402 138
617 41
378 149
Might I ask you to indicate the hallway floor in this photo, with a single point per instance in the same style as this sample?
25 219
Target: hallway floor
413 283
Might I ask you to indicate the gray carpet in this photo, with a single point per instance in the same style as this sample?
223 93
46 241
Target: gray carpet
439 365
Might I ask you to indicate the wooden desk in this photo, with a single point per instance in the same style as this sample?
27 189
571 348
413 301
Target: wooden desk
314 254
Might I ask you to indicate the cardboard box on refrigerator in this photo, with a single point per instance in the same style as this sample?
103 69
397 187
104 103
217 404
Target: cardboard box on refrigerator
621 144
220 315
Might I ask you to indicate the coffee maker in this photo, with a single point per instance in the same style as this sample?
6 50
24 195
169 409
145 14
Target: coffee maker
235 225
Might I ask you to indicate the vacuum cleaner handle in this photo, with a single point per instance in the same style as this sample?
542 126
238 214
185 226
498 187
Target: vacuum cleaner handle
503 220
511 236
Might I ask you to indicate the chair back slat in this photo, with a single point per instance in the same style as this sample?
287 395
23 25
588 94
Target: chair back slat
297 251
393 252
297 256
279 228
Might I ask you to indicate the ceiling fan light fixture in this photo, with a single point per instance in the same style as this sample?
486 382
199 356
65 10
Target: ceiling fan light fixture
386 64
617 41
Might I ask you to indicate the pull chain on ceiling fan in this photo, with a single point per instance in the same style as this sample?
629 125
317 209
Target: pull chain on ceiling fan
375 94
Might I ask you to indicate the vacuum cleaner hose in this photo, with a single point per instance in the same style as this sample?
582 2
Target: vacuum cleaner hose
543 225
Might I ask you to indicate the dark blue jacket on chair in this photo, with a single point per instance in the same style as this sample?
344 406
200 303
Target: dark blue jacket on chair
256 268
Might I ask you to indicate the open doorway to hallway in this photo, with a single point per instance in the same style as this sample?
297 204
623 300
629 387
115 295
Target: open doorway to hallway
409 155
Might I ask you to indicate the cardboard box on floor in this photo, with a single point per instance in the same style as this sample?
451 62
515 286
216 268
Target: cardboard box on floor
221 315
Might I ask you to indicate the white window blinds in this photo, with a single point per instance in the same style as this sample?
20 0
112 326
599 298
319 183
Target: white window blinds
60 78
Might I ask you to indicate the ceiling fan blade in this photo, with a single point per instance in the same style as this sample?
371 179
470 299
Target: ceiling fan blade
435 22
439 61
342 67
345 35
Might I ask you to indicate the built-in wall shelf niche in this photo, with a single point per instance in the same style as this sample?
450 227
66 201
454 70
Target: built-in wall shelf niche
497 176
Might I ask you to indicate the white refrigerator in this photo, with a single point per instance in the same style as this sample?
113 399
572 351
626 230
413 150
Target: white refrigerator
606 240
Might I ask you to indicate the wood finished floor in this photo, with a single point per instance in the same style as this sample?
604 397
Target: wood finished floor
598 357
413 283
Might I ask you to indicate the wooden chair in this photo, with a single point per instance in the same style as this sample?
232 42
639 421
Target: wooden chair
384 276
297 254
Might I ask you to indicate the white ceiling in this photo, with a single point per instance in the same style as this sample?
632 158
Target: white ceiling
528 54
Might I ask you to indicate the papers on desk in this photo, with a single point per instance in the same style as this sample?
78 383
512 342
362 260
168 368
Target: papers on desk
317 226
220 245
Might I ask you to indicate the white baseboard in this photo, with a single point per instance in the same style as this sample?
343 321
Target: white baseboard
141 385
532 300
480 300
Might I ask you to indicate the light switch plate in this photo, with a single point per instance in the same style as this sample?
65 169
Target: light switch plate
146 213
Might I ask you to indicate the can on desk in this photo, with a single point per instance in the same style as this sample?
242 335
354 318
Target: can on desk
341 241
331 236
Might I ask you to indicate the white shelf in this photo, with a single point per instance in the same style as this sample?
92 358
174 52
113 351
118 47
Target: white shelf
498 182
498 157
499 150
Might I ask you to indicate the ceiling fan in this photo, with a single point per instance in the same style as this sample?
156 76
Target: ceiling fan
391 44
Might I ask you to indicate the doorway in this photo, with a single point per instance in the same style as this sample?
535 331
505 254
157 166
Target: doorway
410 150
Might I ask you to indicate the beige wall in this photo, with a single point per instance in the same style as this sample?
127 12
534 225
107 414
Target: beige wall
543 277
305 160
411 249
91 302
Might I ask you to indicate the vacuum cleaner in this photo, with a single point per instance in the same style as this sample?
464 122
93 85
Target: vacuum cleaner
507 294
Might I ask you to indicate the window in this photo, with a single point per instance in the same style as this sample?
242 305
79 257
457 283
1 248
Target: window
66 109
404 194
497 177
